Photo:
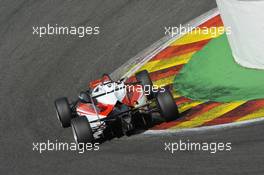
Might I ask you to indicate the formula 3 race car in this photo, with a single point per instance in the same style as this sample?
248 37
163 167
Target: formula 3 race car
115 108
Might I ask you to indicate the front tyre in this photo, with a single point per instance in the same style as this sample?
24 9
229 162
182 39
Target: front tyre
144 78
167 106
82 130
63 111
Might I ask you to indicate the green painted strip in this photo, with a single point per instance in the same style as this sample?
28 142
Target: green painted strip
212 74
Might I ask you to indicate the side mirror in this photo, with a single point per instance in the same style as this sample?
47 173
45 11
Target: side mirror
84 97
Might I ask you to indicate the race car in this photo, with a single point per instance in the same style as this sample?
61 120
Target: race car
115 108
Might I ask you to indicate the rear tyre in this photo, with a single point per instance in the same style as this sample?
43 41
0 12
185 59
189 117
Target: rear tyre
82 131
144 78
64 112
167 106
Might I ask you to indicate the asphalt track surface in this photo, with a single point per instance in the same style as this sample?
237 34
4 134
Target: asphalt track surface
34 71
